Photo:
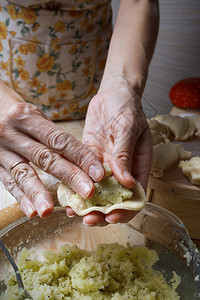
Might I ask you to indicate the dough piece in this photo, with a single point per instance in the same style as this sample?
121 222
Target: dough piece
196 121
159 132
109 195
191 168
181 128
164 155
156 138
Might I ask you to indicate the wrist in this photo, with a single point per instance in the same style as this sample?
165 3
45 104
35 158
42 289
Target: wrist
134 85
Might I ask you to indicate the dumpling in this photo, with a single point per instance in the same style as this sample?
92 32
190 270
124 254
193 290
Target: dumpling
159 132
109 195
181 128
164 155
196 121
162 129
156 138
191 168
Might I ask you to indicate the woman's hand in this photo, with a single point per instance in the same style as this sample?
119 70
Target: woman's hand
116 129
117 132
26 135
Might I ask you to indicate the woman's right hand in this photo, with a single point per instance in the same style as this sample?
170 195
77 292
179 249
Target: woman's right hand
26 135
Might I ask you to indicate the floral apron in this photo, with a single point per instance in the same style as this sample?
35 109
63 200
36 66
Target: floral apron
53 53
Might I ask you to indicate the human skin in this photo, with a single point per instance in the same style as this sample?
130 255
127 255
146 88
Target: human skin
116 129
117 104
26 135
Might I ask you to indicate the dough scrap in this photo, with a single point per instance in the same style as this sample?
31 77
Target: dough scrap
112 194
196 121
164 155
181 128
159 132
191 168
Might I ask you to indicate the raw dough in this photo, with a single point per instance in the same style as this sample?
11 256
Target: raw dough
156 138
181 128
164 155
109 195
159 132
191 168
196 121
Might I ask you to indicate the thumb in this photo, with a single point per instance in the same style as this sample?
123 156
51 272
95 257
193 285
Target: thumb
121 159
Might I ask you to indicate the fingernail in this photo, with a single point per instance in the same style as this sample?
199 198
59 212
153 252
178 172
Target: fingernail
29 210
85 188
89 225
109 221
42 206
128 176
70 216
96 173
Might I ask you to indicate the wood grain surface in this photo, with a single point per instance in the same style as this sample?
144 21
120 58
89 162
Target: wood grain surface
175 192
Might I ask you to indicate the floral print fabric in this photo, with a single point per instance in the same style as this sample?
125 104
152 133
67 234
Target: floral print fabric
53 52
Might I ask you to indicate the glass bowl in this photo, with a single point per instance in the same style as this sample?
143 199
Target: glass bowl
154 227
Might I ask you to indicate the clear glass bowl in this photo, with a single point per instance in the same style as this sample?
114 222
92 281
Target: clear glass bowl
154 227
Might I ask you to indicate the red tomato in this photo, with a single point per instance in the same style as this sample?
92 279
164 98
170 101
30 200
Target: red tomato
186 93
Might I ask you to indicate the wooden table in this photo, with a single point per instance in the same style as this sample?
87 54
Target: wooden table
174 191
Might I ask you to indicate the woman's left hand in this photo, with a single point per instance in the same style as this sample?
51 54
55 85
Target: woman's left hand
117 132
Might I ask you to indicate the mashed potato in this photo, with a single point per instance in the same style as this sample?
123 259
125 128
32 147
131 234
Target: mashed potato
109 191
111 272
109 195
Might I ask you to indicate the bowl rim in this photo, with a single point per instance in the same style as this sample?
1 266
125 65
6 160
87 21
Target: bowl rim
149 209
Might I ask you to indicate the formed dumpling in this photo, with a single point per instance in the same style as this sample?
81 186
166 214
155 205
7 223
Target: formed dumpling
159 132
196 121
164 155
191 168
156 138
109 195
181 128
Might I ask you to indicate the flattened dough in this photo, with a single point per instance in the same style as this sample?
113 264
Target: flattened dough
164 155
191 168
181 128
118 197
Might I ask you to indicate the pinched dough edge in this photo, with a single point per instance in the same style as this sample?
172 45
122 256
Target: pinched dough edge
67 197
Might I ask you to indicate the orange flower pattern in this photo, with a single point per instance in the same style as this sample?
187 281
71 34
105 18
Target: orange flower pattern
3 31
45 63
53 54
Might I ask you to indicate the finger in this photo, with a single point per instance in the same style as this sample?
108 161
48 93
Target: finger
11 186
28 181
70 212
94 218
91 219
98 219
51 162
57 139
142 158
121 157
93 143
120 216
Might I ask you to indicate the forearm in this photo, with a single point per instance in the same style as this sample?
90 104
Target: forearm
132 44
